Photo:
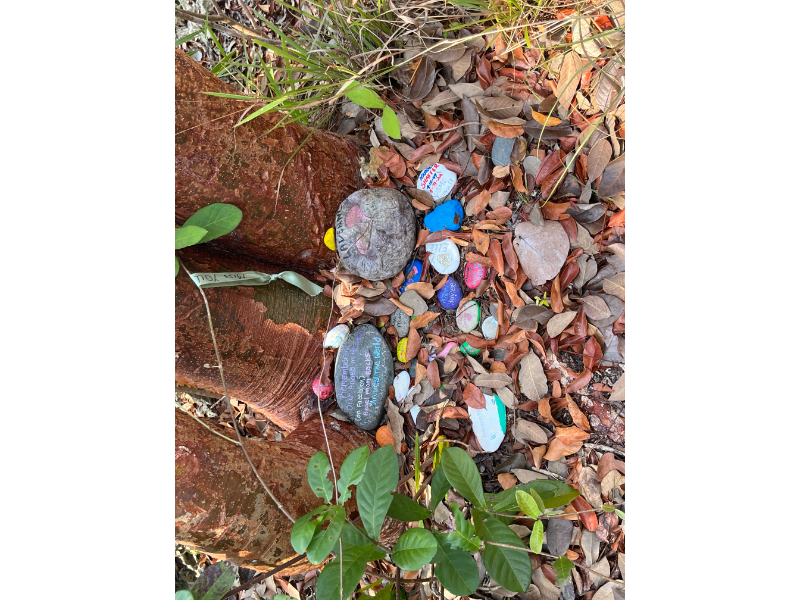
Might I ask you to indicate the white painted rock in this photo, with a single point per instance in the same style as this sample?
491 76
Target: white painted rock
489 424
489 328
445 256
438 181
402 383
468 316
335 337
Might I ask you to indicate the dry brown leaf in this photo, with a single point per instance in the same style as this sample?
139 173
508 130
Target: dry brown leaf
615 286
598 159
609 462
507 480
473 397
558 449
454 412
525 431
506 396
568 79
433 374
481 239
532 379
570 435
501 171
559 323
596 308
492 380
577 416
505 131
413 344
420 373
424 319
545 120
538 454
403 307
541 250
618 390
423 288
395 425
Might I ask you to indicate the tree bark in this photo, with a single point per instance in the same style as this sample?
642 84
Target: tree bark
215 162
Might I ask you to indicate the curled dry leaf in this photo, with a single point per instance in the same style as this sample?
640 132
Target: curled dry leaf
545 120
481 239
474 397
589 519
477 258
454 412
592 353
608 462
577 416
396 425
532 379
583 379
423 288
559 323
413 344
424 319
505 131
570 435
559 449
398 304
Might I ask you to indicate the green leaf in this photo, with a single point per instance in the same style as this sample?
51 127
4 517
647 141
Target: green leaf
188 235
510 568
609 508
528 504
357 551
318 467
415 549
177 266
562 566
552 493
404 508
215 581
282 597
218 219
363 96
324 539
390 123
385 593
537 537
620 514
456 569
352 471
184 595
463 475
463 538
304 528
374 493
439 487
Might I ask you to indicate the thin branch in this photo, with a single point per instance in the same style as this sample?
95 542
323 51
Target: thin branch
605 448
235 591
389 578
211 430
216 24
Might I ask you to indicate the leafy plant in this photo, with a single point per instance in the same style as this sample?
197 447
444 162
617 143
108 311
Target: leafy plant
213 583
482 527
208 223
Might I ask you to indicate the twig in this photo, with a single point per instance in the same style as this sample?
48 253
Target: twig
388 577
604 448
216 24
262 576
363 532
211 430
228 403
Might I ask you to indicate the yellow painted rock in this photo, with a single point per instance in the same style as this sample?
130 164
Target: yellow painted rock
330 239
401 350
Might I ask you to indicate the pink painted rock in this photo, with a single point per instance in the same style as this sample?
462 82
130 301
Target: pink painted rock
322 391
474 273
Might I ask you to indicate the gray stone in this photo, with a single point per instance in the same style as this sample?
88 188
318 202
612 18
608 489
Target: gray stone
501 151
375 233
364 371
414 301
401 322
559 535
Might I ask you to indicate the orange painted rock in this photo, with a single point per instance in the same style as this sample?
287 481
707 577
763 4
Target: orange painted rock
384 436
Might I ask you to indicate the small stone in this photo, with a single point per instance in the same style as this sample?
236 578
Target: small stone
445 216
363 372
489 424
402 383
474 273
450 294
335 337
437 180
330 239
501 151
401 350
375 233
413 274
467 349
413 301
445 256
468 316
323 392
401 322
489 328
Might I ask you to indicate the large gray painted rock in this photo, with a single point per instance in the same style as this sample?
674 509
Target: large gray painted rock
375 233
363 373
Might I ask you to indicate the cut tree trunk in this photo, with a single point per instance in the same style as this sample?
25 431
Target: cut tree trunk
215 162
221 508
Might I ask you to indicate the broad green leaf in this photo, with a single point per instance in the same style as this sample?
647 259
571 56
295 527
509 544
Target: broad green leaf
374 493
184 595
357 551
188 235
552 493
439 487
218 219
177 266
387 593
304 528
456 569
318 467
510 568
562 566
620 514
415 549
324 539
352 471
463 475
537 537
538 499
390 123
528 504
363 96
463 538
215 581
609 508
404 508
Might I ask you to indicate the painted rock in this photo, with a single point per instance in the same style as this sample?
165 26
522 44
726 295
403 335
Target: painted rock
445 256
414 413
375 233
413 274
469 316
402 383
467 349
474 273
401 322
501 151
413 301
489 424
363 372
450 294
445 216
335 337
401 350
489 328
437 180
322 391
330 239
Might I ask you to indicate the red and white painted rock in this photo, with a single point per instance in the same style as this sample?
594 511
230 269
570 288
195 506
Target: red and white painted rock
474 273
322 391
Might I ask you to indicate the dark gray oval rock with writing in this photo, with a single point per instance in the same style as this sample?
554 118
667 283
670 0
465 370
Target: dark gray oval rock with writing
401 322
363 373
375 233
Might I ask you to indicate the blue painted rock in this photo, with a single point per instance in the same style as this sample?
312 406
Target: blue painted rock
474 273
437 180
445 256
322 391
450 294
363 373
501 151
468 316
445 216
335 337
413 274
375 233
489 424
401 322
